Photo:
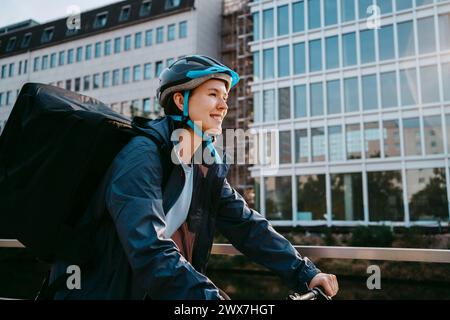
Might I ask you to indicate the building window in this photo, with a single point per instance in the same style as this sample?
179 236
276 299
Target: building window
433 135
182 30
391 138
35 67
332 52
257 107
347 10
148 38
147 71
98 49
169 62
408 87
11 70
268 105
314 14
171 32
268 24
62 58
412 137
116 77
100 20
146 105
330 12
70 54
353 139
88 52
146 7
429 84
369 92
316 94
53 60
405 37
334 97
318 144
256 26
138 40
26 40
256 66
388 81
107 48
11 44
96 81
283 20
278 198
80 54
349 49
117 45
367 46
25 66
284 149
444 31
284 103
124 13
44 62
403 4
372 140
335 143
301 146
386 42
426 190
363 7
105 79
426 35
347 197
8 98
298 16
126 75
127 43
47 35
311 198
283 61
171 4
1 103
160 35
315 55
299 58
300 105
386 196
446 80
86 83
351 94
268 68
69 84
158 68
77 84
137 73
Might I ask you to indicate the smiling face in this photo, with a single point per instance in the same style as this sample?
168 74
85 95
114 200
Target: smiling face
207 105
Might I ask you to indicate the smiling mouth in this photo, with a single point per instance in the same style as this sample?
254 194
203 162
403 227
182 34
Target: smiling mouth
217 118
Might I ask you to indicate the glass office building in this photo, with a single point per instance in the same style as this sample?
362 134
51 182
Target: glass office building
359 95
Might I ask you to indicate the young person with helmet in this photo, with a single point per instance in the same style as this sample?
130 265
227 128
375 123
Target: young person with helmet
159 215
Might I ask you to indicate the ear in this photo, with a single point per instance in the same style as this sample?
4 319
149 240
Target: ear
178 99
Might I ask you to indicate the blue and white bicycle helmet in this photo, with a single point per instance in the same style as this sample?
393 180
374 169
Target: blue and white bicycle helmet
185 75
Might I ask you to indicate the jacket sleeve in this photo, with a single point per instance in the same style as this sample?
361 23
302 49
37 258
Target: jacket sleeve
251 234
134 200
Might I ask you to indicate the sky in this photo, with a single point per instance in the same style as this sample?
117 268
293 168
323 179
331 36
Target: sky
12 11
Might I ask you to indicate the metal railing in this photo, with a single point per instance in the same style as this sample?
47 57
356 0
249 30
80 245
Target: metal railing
359 253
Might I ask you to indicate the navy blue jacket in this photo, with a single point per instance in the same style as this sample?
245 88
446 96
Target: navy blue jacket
133 260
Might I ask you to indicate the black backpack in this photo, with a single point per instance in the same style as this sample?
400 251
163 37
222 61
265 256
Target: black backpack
54 151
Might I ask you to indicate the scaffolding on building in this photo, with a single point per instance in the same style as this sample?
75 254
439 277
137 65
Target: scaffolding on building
237 33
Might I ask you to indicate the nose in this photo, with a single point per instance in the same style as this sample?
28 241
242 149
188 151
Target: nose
222 105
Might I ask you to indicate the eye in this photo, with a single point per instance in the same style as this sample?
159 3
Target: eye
213 94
